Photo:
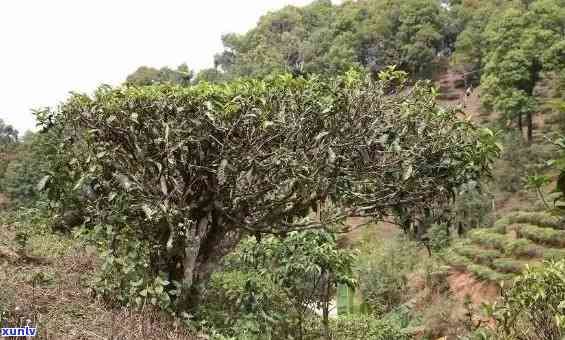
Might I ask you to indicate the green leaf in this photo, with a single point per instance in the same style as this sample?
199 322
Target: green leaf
43 183
407 172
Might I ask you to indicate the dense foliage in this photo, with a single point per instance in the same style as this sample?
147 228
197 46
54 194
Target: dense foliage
270 288
30 165
8 141
522 41
327 38
144 75
193 169
383 271
532 308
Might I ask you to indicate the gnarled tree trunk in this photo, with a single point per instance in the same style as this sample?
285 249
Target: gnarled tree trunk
198 254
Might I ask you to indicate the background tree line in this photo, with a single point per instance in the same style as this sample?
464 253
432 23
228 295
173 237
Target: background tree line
506 47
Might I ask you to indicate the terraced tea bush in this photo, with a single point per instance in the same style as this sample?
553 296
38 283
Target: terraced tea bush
541 219
487 274
553 254
508 265
477 254
457 261
500 225
359 327
487 256
504 243
522 248
542 235
487 238
469 251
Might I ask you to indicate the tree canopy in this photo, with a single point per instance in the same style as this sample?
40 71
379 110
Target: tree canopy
145 75
521 43
195 168
324 38
8 135
8 141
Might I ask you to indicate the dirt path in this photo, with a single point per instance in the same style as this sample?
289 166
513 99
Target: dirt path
3 201
463 285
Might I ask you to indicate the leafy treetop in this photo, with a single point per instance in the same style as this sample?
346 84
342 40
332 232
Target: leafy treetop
191 169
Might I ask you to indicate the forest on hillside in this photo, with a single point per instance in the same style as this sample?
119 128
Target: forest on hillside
373 169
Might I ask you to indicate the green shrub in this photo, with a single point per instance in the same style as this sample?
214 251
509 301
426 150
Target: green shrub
247 304
267 289
553 254
521 248
518 160
193 169
456 261
542 235
406 318
487 274
532 308
473 207
382 270
487 238
361 327
508 265
123 277
541 219
500 225
486 257
477 254
31 164
438 235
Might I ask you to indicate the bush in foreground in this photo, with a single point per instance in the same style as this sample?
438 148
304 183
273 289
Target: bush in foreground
189 171
532 308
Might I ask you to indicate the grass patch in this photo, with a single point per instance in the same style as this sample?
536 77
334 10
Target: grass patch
55 293
50 245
